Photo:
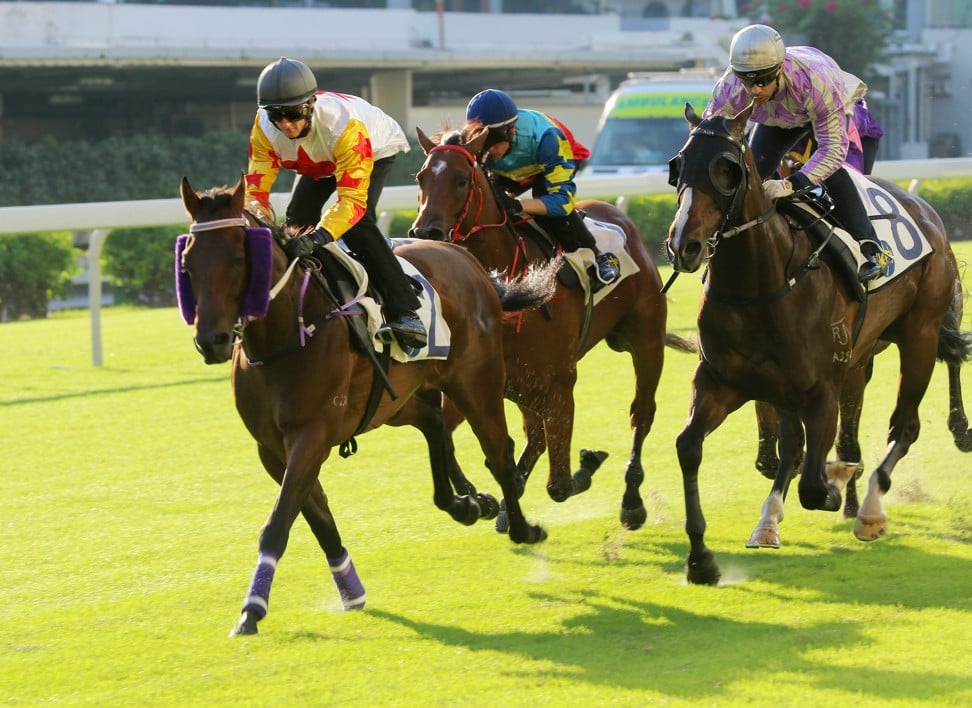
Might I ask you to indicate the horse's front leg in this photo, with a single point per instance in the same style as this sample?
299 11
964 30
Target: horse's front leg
303 466
767 426
536 445
558 424
711 403
767 532
849 465
819 418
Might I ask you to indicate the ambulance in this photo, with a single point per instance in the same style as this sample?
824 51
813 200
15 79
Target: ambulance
643 122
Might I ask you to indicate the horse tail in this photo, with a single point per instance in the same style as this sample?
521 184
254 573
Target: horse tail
531 289
681 344
954 345
955 348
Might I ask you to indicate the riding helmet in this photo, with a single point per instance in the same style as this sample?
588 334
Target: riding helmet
492 108
757 51
285 82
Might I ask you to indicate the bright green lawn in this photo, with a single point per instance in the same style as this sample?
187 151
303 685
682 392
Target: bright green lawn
131 500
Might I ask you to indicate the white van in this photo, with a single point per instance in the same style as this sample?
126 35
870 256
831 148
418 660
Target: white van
643 123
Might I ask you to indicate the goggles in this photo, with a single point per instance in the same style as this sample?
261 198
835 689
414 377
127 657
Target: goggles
762 80
291 113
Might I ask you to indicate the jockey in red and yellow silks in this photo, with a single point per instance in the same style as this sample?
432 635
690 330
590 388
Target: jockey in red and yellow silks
346 135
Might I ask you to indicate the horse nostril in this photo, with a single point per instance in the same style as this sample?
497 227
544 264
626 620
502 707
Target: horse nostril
221 339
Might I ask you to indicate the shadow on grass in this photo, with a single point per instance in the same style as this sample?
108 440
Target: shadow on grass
88 393
645 646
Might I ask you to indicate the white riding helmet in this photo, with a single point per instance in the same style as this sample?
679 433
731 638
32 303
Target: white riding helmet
757 51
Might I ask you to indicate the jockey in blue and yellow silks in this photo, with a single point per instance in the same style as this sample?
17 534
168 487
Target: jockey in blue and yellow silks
529 150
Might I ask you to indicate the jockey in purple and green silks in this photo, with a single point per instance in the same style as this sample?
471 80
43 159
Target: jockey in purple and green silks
527 149
797 92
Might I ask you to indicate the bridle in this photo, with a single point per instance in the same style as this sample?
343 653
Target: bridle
729 200
475 198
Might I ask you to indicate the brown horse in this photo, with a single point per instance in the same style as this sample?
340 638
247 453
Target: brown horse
772 326
457 202
301 387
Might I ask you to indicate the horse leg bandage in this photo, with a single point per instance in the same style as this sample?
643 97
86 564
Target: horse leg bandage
258 598
346 578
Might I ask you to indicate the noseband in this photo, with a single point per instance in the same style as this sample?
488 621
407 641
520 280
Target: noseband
474 192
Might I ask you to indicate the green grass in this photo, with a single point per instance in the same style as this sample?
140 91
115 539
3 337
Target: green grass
132 498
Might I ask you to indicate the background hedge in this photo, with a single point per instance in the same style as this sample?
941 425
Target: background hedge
138 261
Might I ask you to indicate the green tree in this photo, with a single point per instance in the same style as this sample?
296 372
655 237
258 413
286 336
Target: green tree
139 264
853 32
33 269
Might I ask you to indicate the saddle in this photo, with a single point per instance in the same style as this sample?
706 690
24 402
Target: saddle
809 212
549 246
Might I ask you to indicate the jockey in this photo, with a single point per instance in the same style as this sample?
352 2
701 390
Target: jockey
530 150
334 142
799 91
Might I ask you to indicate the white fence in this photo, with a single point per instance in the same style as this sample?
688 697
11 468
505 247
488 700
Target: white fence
99 218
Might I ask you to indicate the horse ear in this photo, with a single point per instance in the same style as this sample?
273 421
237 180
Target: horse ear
189 197
239 193
737 125
691 116
475 144
424 141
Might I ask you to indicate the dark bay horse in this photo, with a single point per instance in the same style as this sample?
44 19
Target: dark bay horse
313 387
457 202
776 326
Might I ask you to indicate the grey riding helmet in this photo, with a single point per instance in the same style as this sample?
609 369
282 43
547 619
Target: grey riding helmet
285 82
756 52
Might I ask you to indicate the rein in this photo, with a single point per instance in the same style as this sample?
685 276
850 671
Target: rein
455 233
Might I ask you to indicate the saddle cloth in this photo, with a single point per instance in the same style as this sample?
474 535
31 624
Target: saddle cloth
430 309
609 239
894 227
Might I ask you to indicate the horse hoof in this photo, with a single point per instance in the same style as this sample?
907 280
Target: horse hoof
871 527
560 493
702 568
582 481
633 519
764 537
530 535
472 511
488 506
502 520
247 624
591 460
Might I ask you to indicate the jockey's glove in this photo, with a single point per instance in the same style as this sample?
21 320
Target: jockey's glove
301 246
511 205
776 188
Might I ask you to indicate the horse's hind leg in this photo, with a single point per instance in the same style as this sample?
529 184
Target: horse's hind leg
958 423
849 465
425 411
767 531
767 426
479 396
918 348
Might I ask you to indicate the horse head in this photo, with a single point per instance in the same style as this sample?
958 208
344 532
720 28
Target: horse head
454 195
713 173
225 268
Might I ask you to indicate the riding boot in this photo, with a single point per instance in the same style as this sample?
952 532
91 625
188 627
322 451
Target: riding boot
608 266
572 234
400 301
850 213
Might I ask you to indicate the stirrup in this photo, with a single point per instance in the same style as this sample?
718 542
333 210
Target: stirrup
607 268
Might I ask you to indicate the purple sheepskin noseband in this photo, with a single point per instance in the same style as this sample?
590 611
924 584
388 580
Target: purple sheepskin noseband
259 253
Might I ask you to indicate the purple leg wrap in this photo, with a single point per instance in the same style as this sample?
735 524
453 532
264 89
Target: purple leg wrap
258 598
346 578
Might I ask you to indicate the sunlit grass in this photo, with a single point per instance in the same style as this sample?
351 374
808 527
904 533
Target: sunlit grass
132 499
